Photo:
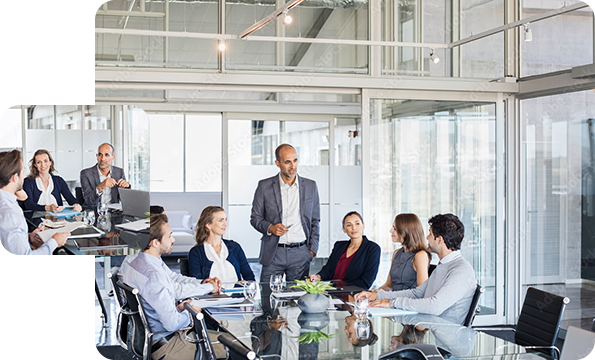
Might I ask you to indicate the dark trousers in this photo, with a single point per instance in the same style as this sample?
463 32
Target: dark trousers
293 262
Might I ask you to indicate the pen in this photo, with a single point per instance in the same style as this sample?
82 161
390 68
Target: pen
288 226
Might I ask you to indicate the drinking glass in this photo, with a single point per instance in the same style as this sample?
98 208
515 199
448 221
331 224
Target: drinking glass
89 217
361 307
362 329
101 208
250 289
276 283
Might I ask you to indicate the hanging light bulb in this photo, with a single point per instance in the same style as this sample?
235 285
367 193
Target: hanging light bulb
222 45
434 58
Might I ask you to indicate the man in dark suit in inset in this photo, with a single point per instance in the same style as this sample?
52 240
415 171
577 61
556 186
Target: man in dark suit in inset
286 211
100 182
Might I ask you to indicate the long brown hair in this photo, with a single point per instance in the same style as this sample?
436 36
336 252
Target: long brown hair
33 172
409 227
206 217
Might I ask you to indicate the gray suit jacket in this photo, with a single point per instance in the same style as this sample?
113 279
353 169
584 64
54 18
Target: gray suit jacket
90 180
268 210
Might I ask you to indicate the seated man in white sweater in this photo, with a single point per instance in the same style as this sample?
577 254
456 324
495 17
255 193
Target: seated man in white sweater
449 290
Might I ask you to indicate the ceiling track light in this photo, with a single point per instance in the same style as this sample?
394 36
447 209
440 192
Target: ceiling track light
272 16
221 45
435 59
527 34
287 19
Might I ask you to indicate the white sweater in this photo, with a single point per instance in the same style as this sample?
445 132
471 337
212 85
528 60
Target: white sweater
448 292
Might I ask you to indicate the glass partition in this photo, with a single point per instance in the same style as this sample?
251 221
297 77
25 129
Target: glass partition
559 158
433 157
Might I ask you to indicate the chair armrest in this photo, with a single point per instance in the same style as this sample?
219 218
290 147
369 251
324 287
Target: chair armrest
545 347
493 329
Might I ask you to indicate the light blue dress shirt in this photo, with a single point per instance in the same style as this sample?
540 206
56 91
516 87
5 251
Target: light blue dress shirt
159 288
13 229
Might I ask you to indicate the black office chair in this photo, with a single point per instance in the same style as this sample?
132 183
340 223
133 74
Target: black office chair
141 337
474 308
431 269
539 322
123 311
184 266
204 347
78 194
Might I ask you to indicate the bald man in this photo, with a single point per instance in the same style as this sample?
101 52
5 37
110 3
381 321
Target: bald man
101 181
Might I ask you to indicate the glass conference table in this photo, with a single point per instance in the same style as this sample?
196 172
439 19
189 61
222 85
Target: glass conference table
112 241
276 331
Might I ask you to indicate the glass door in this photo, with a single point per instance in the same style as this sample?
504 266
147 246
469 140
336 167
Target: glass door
433 157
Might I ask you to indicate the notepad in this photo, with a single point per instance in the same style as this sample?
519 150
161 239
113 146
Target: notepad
216 302
45 235
138 225
289 294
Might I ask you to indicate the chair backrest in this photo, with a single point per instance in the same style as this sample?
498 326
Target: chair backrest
431 269
78 194
474 308
578 344
122 325
184 266
539 321
141 336
204 348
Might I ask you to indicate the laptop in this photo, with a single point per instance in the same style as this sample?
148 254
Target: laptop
135 202
579 344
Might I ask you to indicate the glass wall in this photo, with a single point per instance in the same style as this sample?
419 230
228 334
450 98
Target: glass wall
560 42
435 157
185 152
138 149
12 125
559 156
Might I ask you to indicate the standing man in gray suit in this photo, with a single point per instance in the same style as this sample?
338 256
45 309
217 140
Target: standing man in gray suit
100 182
286 211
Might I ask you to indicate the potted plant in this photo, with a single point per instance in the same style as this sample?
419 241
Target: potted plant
315 300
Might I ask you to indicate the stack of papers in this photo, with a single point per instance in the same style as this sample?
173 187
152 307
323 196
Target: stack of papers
289 294
45 235
138 225
217 302
383 312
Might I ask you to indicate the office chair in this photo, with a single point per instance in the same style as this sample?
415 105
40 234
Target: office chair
539 322
78 194
474 308
593 325
123 311
184 266
204 347
141 336
431 269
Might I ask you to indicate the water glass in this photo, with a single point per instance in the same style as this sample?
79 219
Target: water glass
362 329
250 289
101 208
276 283
89 217
361 307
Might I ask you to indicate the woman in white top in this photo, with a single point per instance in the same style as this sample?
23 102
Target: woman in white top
213 256
44 189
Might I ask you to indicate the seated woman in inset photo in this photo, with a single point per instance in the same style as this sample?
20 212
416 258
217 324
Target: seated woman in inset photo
44 189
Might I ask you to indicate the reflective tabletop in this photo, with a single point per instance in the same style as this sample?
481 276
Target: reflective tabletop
281 330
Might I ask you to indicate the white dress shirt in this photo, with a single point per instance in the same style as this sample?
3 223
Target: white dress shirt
13 229
46 197
290 201
221 268
106 194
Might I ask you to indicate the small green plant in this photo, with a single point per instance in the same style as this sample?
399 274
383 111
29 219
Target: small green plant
309 287
313 336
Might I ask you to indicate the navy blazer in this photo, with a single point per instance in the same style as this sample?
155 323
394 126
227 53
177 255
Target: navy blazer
90 179
268 210
33 193
363 267
200 267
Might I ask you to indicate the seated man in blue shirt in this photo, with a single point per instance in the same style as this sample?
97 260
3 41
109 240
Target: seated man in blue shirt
13 227
448 292
160 288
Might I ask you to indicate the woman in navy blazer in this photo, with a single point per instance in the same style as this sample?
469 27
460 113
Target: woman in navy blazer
40 180
213 256
355 261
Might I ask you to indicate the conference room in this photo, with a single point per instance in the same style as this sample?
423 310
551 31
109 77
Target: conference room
425 107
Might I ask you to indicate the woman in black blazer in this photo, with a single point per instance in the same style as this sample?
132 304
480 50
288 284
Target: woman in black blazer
41 183
355 261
